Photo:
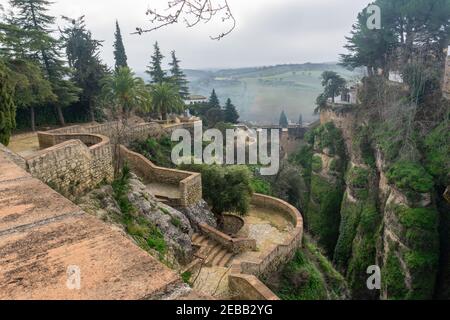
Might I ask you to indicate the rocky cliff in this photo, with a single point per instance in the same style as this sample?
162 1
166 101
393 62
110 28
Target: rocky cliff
369 204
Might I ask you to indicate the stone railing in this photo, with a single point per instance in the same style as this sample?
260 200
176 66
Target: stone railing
138 131
244 275
189 183
234 245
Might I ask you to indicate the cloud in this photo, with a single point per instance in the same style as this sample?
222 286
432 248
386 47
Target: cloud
268 31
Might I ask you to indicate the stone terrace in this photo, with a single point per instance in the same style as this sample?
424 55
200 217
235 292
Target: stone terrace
42 234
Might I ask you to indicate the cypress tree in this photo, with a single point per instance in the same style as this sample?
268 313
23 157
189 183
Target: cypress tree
283 120
231 114
213 100
7 106
178 77
300 120
155 69
119 49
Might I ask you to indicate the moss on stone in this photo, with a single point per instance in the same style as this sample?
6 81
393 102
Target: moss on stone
393 278
317 164
410 176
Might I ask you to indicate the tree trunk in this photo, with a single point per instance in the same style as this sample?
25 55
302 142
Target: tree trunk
91 112
33 119
164 115
60 116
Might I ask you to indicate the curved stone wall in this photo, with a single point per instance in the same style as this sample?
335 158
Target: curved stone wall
72 163
244 274
189 183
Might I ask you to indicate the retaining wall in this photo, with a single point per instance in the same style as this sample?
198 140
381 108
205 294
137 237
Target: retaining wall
72 163
189 183
244 274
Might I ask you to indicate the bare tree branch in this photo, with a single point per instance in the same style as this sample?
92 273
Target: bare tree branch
192 12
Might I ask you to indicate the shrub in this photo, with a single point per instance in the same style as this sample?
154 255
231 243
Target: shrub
301 280
225 188
186 277
358 177
410 176
261 186
317 164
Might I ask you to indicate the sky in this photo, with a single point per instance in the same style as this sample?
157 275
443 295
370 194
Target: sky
268 32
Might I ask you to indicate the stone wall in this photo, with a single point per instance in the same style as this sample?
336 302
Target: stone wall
72 163
10 155
139 131
189 183
234 245
244 274
43 236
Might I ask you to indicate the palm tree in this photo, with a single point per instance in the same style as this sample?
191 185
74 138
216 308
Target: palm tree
165 99
124 93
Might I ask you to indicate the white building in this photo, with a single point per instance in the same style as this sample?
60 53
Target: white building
193 99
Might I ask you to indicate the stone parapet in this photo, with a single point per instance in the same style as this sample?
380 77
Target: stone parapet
189 183
234 245
244 274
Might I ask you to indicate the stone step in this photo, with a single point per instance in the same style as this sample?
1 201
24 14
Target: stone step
212 254
219 257
226 260
196 237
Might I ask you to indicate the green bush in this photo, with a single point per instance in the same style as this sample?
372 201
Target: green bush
410 176
437 152
156 150
186 277
358 177
261 186
301 280
422 218
225 188
317 164
328 136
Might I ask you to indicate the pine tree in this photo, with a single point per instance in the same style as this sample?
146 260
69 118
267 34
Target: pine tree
32 16
155 68
7 106
213 100
83 56
283 120
120 55
231 114
178 77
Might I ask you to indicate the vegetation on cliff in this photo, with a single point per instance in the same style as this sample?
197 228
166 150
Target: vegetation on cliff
308 276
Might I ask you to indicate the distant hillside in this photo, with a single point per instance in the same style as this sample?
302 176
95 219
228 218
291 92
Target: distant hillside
261 93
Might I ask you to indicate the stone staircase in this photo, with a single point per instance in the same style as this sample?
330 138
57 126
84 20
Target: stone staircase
212 253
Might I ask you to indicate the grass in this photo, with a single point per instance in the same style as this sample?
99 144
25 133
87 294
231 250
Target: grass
186 277
147 235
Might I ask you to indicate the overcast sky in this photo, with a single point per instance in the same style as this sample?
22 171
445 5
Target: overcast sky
268 32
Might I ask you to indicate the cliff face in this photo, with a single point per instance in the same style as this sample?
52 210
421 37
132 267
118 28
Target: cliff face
326 185
384 212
